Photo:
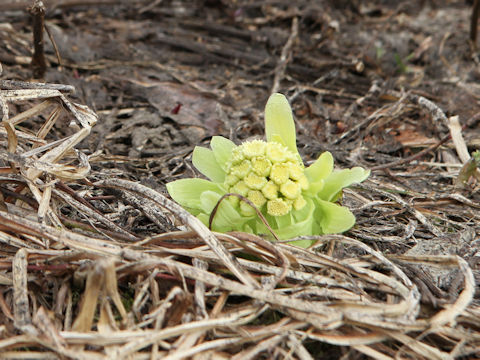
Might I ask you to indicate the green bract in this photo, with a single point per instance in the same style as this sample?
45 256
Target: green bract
295 200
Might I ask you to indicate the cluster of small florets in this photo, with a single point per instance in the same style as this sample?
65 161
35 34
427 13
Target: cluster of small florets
268 174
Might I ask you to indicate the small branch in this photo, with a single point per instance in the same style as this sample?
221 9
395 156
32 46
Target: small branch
244 199
39 65
62 4
57 53
285 56
437 114
414 156
474 22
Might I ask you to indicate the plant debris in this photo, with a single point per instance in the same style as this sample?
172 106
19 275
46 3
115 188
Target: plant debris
97 262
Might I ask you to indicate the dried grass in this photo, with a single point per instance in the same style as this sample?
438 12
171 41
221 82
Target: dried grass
92 290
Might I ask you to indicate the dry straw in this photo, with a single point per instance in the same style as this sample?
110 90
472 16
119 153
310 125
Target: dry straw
97 291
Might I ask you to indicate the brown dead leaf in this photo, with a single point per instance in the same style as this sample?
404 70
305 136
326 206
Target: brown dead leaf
187 107
412 138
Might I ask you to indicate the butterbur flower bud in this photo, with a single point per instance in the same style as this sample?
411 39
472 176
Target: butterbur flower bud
270 190
253 167
290 190
278 207
280 173
254 181
256 197
240 188
240 169
261 165
299 203
295 200
251 149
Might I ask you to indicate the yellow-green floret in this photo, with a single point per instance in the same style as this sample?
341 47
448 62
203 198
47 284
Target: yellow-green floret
269 175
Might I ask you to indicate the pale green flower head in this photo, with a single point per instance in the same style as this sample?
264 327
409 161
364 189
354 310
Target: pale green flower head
293 199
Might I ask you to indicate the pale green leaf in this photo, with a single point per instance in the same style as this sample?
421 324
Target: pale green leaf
297 223
204 218
302 243
332 217
187 192
277 138
302 224
305 212
259 227
222 149
321 168
341 179
204 160
315 187
279 121
283 221
226 218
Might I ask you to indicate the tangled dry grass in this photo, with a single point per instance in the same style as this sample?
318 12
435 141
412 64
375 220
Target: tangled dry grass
75 284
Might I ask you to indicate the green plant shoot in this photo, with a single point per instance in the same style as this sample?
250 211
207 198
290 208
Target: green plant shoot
294 200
